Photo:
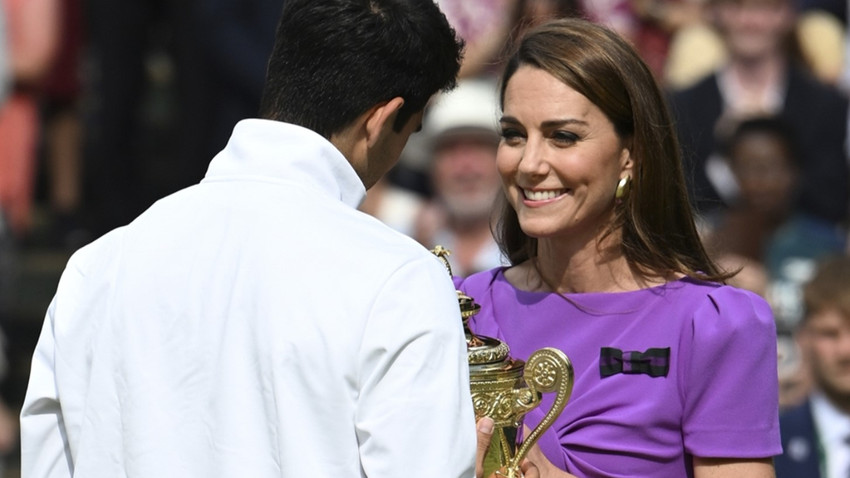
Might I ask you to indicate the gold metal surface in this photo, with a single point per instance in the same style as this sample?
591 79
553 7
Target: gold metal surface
505 389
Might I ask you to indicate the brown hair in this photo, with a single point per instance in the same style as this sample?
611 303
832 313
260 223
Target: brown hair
829 288
658 230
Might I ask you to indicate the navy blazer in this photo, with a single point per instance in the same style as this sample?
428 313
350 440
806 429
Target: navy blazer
800 457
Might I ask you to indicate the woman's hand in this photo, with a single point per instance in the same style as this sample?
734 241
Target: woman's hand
485 434
543 467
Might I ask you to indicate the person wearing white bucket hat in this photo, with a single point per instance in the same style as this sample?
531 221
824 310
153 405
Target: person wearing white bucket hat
462 131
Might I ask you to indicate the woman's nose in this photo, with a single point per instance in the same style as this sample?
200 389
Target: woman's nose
533 160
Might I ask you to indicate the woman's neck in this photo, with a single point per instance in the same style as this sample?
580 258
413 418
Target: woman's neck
571 267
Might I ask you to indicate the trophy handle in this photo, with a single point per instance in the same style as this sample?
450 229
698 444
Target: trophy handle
547 370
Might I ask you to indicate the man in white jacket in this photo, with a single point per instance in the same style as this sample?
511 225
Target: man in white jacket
256 324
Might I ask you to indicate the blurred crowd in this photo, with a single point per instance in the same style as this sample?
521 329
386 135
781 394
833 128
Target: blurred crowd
105 106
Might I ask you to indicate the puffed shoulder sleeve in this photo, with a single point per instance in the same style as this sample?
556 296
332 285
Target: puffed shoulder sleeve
729 377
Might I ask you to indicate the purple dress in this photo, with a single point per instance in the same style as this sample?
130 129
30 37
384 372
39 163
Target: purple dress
661 374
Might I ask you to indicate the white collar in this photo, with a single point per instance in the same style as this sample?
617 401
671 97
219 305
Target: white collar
738 102
274 151
833 424
833 429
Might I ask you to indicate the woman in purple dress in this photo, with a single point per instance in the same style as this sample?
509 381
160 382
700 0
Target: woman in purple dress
675 372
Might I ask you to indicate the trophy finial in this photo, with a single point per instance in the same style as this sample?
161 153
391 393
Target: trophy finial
443 254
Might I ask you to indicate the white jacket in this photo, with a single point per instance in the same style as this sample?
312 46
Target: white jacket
253 325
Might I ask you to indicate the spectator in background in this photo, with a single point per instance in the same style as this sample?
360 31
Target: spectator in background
5 67
62 120
657 23
762 76
794 377
618 15
534 12
7 242
763 228
696 49
32 27
485 26
820 34
462 131
815 434
8 420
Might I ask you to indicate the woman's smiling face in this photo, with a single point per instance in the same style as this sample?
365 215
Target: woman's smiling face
560 158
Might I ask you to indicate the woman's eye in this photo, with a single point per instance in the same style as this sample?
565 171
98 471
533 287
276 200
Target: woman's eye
510 135
564 137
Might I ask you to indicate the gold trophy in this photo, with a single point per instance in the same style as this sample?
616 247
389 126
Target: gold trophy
505 389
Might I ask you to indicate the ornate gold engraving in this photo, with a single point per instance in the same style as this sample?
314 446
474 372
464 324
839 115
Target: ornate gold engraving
505 389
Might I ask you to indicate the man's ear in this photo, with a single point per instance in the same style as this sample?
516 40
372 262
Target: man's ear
381 118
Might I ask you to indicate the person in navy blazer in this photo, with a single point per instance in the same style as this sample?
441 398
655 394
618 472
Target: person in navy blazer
800 456
815 434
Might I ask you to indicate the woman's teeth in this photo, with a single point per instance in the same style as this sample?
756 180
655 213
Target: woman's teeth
542 195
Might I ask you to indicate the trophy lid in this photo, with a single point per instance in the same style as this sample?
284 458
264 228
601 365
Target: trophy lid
489 358
482 352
